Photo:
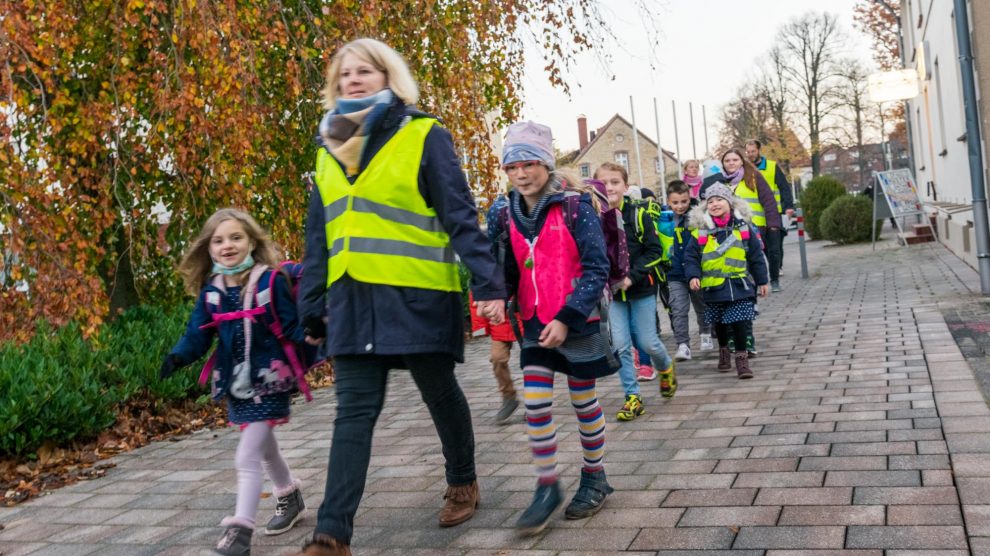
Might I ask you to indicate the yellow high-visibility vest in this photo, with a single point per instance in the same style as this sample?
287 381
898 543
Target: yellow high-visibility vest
380 229
721 261
752 199
770 173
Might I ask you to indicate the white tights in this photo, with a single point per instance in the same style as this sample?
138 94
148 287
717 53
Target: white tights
258 448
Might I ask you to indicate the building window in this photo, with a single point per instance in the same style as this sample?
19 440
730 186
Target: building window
829 157
585 170
656 165
622 158
619 137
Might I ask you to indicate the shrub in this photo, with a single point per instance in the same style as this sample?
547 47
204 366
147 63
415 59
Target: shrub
817 196
848 219
61 387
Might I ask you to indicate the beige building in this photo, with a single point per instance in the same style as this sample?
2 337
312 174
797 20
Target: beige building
613 142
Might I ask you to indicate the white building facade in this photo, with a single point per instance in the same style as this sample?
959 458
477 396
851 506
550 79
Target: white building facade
938 125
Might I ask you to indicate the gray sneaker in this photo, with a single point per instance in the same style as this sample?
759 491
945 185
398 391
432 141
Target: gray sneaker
287 511
235 541
509 406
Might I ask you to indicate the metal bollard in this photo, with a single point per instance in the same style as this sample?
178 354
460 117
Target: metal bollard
804 255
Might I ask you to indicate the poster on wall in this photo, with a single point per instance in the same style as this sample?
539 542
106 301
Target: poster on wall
901 192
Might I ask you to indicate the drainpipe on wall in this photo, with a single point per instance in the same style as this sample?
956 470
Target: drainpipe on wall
982 229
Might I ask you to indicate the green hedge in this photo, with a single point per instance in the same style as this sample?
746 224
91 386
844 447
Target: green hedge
60 387
849 219
817 196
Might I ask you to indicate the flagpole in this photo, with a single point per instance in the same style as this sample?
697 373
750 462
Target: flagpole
639 161
662 167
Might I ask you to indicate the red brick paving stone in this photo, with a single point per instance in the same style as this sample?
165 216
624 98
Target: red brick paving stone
835 437
796 450
843 463
711 497
781 479
770 440
913 537
929 461
874 449
970 465
977 520
915 434
684 538
968 442
790 537
873 478
952 425
979 546
975 409
935 447
692 481
928 553
730 516
761 465
832 515
803 496
974 490
619 517
937 477
905 495
504 538
613 539
712 453
824 553
923 515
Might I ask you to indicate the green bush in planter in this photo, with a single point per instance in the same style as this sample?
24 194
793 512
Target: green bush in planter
817 196
849 219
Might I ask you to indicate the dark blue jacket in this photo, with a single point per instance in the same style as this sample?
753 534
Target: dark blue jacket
265 347
732 289
682 236
644 252
380 319
594 262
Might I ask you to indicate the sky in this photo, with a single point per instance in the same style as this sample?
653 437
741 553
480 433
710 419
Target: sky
706 50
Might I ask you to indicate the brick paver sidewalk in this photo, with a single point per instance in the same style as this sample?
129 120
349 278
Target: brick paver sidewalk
863 433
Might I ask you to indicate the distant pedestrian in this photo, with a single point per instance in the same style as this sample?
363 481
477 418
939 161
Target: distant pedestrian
692 177
557 267
230 265
382 285
634 306
724 260
681 296
501 339
782 192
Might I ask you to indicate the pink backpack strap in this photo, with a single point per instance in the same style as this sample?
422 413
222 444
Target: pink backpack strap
287 345
247 313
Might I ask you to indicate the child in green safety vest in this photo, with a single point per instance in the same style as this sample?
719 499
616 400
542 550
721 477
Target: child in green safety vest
725 261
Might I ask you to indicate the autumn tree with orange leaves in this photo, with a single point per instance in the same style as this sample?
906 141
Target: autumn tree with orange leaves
124 124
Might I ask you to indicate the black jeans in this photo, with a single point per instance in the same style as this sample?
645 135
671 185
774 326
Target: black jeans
360 385
771 247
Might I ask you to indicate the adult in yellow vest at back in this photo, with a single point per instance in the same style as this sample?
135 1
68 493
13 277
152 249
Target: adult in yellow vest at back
781 192
380 286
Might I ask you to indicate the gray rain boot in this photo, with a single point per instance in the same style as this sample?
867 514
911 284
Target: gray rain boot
288 508
590 496
236 538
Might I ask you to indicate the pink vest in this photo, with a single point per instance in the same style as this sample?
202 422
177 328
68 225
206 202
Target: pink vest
554 269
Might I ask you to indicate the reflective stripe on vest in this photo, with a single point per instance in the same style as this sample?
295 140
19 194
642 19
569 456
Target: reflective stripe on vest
752 199
770 173
719 262
380 229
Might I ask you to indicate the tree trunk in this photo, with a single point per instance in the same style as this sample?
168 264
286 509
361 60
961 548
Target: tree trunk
118 275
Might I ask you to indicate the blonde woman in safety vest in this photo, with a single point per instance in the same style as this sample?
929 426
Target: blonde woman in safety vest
381 285
724 260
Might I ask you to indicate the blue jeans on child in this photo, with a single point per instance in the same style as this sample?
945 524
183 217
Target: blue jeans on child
639 316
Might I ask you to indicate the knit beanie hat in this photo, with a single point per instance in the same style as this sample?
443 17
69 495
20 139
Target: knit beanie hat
525 141
719 189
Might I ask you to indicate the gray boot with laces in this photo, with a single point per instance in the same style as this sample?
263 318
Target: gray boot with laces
236 538
288 509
